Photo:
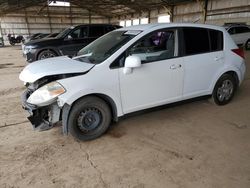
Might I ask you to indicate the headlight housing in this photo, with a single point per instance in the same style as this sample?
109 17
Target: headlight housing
46 94
29 49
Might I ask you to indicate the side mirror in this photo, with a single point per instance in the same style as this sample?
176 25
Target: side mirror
68 37
130 63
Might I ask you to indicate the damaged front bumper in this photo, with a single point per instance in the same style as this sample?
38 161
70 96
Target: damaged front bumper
42 118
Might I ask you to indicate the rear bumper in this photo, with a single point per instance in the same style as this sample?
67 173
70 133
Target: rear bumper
41 118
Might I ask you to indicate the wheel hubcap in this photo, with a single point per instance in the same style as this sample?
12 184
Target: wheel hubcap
89 119
225 91
47 54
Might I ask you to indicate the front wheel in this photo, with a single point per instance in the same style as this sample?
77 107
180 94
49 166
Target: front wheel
46 54
224 89
89 118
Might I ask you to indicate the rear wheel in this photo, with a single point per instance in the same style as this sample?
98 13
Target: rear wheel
46 54
224 89
89 118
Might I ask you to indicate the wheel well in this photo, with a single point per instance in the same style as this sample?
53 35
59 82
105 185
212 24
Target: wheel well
45 50
234 75
107 100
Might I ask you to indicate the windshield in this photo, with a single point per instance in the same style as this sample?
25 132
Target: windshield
104 47
64 32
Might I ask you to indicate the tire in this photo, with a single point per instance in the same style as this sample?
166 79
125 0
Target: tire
247 45
12 43
89 118
46 54
224 89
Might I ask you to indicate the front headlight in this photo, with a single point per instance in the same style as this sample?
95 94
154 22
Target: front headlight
29 49
46 94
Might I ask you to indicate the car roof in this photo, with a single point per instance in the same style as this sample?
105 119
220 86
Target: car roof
145 27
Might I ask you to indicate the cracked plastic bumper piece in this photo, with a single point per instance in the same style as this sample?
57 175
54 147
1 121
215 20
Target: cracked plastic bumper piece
41 118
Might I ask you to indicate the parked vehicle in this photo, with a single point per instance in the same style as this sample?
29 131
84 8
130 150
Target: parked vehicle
14 40
1 42
68 42
240 34
128 70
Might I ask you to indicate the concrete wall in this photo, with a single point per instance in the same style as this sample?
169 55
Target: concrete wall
218 12
45 20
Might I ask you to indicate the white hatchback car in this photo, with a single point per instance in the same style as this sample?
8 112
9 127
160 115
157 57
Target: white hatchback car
128 70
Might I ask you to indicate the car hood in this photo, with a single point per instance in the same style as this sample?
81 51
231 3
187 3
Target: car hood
53 66
41 41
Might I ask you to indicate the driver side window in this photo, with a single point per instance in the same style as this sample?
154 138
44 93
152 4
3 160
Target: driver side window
76 34
157 46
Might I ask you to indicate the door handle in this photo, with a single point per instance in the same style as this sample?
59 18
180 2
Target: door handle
218 58
174 66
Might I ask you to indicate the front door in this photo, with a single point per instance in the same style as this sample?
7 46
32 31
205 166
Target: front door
159 80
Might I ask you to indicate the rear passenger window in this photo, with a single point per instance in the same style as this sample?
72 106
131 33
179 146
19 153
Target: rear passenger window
216 40
96 31
196 40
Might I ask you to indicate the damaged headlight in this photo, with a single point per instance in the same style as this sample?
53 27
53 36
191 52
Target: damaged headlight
46 94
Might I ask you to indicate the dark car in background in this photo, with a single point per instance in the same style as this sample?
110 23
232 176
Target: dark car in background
68 42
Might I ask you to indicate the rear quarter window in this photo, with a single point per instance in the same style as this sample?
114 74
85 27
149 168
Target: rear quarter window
216 40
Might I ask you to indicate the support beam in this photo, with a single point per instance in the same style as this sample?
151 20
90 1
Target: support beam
70 15
89 17
172 13
1 32
50 26
43 7
27 22
203 4
149 17
205 11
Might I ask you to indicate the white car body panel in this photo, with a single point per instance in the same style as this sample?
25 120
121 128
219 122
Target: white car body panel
160 85
203 66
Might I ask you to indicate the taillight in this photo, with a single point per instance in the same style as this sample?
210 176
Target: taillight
239 52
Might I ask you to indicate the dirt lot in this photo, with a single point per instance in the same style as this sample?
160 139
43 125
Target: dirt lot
192 145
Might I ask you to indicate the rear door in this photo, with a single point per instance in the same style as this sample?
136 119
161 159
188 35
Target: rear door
203 58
